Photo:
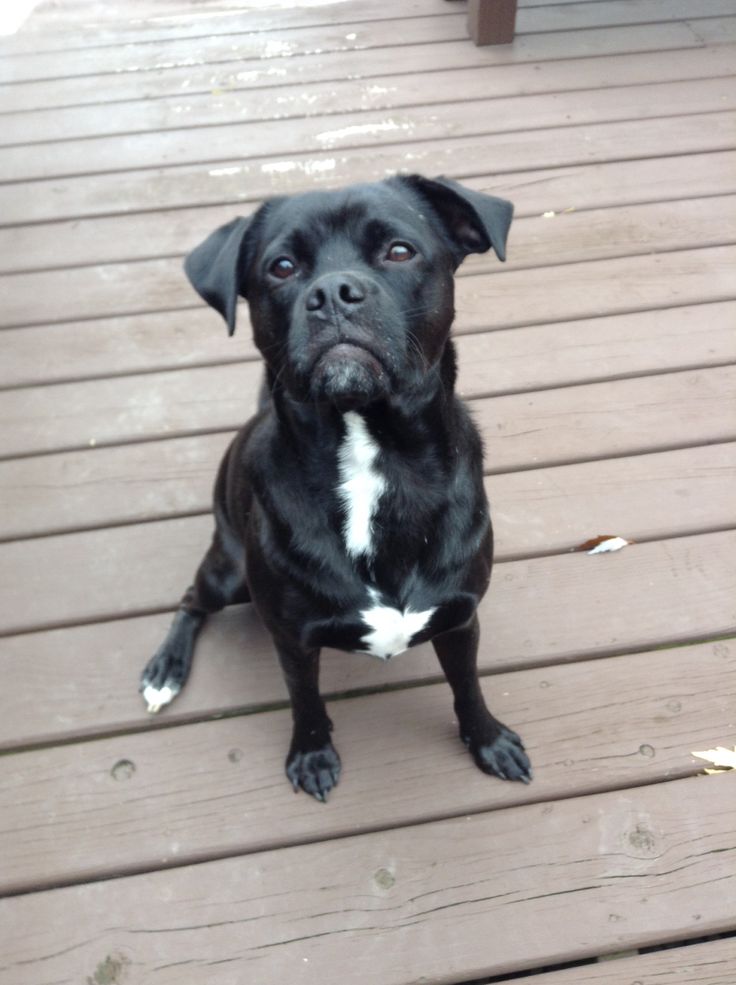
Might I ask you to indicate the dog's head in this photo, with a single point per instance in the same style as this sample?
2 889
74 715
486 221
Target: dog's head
350 292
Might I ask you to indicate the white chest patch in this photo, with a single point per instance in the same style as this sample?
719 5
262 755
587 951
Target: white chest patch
391 629
361 485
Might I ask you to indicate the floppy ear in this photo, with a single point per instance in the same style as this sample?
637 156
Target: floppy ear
215 267
474 222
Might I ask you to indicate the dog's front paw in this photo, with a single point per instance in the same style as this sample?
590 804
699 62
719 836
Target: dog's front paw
502 755
316 771
163 677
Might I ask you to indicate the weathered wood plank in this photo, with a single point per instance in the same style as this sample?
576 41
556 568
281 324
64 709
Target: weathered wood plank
235 104
372 63
235 181
311 40
540 611
124 152
160 20
109 239
521 358
710 963
585 422
392 905
47 31
579 234
160 479
536 511
108 821
636 283
514 296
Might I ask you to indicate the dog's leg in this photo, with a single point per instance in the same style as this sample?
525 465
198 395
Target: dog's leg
312 763
219 581
494 747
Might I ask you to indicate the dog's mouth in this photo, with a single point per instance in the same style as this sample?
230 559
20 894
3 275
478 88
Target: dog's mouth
349 376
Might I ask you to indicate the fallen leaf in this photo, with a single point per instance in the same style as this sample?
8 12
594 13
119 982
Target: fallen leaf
719 756
603 543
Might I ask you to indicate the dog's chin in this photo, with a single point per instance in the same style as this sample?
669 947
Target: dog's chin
348 377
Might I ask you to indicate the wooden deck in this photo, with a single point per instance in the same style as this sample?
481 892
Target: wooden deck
600 362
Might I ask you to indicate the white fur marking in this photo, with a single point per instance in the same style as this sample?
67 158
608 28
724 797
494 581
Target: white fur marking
361 486
155 699
391 628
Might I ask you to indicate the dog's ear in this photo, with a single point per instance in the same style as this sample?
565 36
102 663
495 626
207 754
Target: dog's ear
215 268
473 221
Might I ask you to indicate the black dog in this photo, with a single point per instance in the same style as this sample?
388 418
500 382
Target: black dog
351 508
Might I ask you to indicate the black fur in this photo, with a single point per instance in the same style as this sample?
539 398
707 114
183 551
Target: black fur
350 320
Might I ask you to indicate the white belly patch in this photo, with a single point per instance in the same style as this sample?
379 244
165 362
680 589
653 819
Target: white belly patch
361 485
391 629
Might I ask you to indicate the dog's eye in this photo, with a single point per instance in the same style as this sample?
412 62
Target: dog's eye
282 267
398 252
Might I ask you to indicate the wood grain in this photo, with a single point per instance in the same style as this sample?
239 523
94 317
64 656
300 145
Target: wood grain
501 299
535 511
165 20
578 234
395 904
497 361
587 728
711 963
232 104
520 430
310 42
238 180
124 152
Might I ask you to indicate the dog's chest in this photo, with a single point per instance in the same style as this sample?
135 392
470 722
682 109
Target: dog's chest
361 486
389 629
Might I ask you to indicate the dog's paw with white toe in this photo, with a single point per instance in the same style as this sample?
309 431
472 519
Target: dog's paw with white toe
164 675
156 698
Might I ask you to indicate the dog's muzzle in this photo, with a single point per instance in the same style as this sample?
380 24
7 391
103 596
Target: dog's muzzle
346 368
348 376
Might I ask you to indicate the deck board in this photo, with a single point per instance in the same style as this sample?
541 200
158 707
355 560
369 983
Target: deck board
710 963
501 299
400 904
579 234
536 511
521 430
374 64
236 180
124 152
310 43
498 361
324 99
542 611
588 728
599 362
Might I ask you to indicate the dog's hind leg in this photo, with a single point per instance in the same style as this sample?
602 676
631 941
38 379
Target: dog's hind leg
220 581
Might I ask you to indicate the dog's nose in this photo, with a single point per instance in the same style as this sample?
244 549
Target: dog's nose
343 291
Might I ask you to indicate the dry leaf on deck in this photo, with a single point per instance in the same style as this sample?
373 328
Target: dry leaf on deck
603 543
719 756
